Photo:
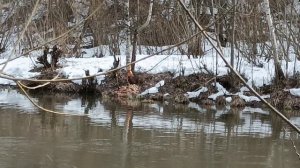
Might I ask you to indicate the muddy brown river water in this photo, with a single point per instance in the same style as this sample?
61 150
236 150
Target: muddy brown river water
138 135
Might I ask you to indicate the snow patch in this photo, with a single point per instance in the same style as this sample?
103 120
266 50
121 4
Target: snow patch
196 93
252 98
154 89
221 91
295 92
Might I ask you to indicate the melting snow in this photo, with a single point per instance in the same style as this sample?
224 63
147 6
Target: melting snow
295 92
196 93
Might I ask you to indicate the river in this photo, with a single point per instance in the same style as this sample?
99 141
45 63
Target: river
102 133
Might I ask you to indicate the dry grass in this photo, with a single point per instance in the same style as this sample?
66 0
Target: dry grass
279 98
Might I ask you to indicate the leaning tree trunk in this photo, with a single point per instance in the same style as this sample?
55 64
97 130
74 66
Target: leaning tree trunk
279 75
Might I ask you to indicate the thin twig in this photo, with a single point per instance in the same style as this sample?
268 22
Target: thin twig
188 39
39 86
157 64
22 86
295 148
40 107
293 143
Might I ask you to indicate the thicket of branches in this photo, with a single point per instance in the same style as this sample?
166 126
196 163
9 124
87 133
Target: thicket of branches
240 24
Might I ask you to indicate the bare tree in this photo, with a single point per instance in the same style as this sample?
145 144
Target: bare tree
278 70
138 30
128 40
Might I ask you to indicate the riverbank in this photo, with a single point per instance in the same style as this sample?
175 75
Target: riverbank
203 89
167 78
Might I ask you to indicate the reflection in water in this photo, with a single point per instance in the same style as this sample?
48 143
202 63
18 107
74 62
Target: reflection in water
231 120
88 101
127 135
127 140
146 135
114 122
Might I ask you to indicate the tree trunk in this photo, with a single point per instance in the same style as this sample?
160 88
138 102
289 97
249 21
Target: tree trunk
134 48
128 38
136 33
233 34
279 75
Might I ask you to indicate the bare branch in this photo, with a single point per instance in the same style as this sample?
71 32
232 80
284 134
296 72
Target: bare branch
148 17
